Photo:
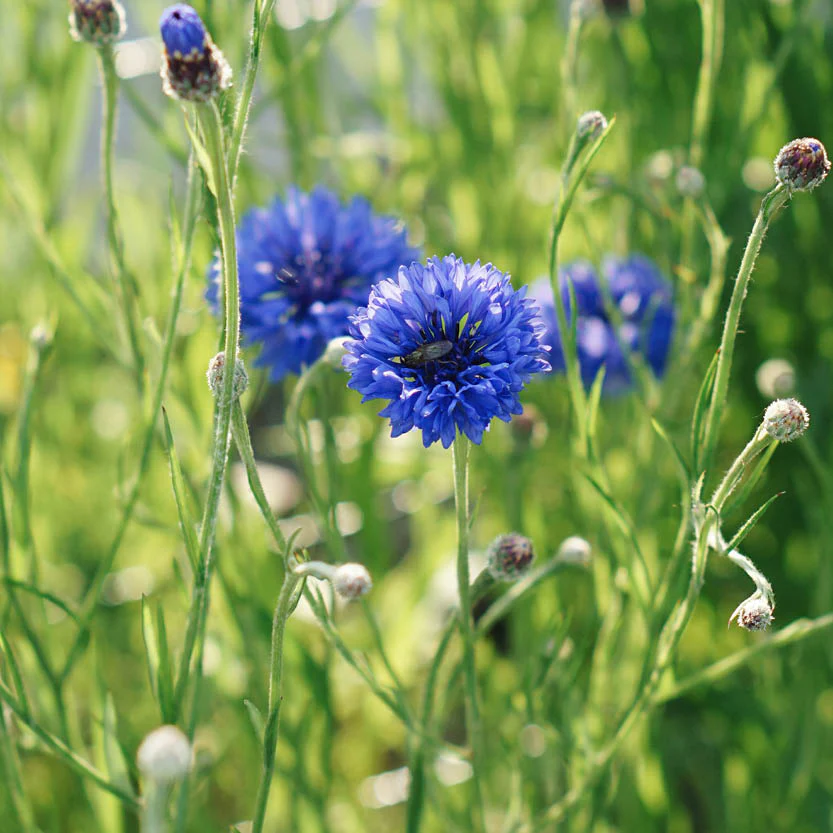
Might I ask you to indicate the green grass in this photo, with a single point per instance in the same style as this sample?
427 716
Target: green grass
607 701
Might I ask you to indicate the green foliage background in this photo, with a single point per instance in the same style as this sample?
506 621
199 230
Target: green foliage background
451 115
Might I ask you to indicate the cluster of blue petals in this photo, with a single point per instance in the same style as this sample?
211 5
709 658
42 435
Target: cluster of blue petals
306 263
450 345
643 300
182 31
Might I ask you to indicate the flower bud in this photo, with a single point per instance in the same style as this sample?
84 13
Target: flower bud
754 614
335 352
775 378
193 68
351 581
96 21
690 182
164 755
574 550
802 164
786 420
590 125
215 375
509 556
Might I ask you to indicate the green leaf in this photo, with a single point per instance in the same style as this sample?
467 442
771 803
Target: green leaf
202 157
750 523
663 435
751 481
14 669
256 719
113 755
151 649
165 679
700 407
186 523
593 400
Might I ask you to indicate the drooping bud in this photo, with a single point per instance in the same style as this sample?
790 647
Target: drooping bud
193 68
802 164
690 182
754 613
215 375
590 125
351 581
164 755
786 420
96 21
509 557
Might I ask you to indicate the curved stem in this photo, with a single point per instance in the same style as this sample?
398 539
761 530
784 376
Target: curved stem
460 458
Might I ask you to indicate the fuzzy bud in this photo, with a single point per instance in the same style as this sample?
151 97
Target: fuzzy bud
590 125
193 68
690 182
754 614
351 581
96 21
802 164
164 755
574 550
509 557
786 420
775 378
215 375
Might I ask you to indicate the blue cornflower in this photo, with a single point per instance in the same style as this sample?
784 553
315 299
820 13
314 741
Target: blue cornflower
449 344
643 299
193 68
306 264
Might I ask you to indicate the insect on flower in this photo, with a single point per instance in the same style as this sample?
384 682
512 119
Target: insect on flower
426 353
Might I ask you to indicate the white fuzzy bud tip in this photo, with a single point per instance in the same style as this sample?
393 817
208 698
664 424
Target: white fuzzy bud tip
509 556
574 550
215 375
786 419
755 614
775 378
351 581
164 755
591 125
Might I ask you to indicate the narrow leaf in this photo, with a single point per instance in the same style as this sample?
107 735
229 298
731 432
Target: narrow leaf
186 524
700 407
256 719
165 680
750 523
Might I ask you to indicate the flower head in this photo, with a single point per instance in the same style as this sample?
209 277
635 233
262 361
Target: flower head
642 299
509 557
786 419
802 164
193 68
164 755
754 613
591 125
96 21
449 344
351 581
306 264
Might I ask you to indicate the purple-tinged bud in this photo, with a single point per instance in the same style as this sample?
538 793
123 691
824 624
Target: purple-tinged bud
216 373
164 755
786 420
351 581
590 125
193 68
690 182
96 21
509 557
802 164
754 614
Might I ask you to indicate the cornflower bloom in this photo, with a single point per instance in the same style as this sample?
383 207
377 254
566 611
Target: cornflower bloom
642 298
306 263
449 344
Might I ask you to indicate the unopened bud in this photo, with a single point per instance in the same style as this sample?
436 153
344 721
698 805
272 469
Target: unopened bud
775 378
215 375
786 420
754 614
164 755
590 125
335 352
351 581
690 182
574 550
509 556
802 164
96 21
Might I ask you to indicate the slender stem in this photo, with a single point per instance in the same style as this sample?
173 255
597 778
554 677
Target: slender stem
270 740
772 202
210 120
460 458
262 14
154 815
126 285
106 564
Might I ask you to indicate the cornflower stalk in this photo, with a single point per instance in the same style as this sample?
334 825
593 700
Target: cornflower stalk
125 282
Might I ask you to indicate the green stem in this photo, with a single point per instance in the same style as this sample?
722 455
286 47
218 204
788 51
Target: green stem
154 814
211 122
771 204
126 285
106 564
460 459
283 610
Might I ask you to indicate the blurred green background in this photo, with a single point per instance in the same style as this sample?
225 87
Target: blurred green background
452 115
